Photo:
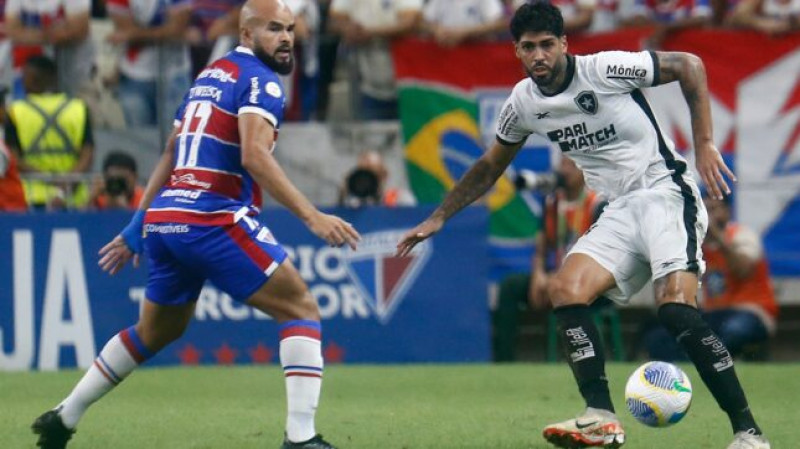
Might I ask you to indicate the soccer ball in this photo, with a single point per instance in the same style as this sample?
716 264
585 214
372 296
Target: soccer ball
658 394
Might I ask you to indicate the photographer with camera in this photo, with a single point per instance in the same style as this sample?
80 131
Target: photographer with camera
569 210
365 185
117 188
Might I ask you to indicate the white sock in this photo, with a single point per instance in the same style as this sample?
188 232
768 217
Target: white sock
301 358
121 355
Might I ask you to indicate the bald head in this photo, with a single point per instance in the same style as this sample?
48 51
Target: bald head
267 28
257 12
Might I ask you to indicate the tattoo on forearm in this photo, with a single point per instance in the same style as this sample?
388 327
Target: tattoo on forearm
478 179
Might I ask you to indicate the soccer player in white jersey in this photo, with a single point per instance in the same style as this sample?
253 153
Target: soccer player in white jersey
199 212
591 108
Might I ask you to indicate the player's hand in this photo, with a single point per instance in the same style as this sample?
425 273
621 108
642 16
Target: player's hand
421 232
333 230
115 255
711 169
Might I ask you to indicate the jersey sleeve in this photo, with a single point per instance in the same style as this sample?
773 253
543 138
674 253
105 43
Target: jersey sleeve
510 129
620 71
261 94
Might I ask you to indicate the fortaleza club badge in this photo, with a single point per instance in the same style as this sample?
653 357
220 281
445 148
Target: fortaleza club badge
382 278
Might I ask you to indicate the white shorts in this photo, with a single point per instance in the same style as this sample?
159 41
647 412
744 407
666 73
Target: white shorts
645 235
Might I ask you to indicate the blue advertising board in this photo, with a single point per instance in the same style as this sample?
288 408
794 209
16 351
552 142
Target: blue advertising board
57 308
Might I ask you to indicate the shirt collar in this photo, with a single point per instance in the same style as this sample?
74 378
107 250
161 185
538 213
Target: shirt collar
243 49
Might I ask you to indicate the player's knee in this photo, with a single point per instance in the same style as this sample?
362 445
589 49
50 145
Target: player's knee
680 318
302 306
563 292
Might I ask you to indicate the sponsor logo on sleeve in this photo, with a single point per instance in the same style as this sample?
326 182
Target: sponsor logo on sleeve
621 72
254 89
507 120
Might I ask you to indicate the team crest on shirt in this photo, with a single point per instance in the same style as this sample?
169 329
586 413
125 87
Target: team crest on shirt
273 89
381 278
587 102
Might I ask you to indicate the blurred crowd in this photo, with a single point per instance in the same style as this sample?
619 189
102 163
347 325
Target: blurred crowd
70 66
132 60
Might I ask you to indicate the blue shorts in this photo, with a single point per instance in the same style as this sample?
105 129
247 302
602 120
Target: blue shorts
238 258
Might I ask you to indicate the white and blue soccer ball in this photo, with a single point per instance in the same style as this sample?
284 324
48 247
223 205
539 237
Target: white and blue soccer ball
658 394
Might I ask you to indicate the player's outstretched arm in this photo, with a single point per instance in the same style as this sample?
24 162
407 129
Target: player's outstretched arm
128 243
688 69
257 135
477 181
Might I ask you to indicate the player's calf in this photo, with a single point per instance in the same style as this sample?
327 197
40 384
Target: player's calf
712 360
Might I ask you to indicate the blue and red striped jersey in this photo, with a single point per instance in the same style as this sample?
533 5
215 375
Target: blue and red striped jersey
208 185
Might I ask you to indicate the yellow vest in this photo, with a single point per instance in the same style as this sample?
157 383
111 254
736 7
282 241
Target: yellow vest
50 128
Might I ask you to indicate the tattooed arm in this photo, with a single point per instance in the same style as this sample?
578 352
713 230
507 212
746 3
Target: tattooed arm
477 181
689 71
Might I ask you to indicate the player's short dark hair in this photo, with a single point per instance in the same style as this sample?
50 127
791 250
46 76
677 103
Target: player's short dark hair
119 159
537 17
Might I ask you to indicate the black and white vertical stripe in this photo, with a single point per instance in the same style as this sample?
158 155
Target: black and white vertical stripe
678 168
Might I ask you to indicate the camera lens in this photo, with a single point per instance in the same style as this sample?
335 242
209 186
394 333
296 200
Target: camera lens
116 185
363 184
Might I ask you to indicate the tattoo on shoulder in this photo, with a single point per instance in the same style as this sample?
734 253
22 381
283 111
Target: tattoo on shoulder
670 65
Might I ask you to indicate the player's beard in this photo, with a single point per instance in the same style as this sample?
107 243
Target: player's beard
282 68
545 80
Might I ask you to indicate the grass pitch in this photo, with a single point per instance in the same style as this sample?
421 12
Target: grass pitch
411 406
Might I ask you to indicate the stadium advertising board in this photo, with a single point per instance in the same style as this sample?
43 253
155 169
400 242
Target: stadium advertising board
755 102
57 308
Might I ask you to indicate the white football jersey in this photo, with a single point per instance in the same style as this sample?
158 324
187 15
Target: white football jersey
602 121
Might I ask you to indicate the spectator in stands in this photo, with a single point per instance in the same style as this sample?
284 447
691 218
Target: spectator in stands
213 31
12 195
668 16
153 35
117 188
366 185
50 133
368 27
328 49
578 14
6 61
570 209
738 298
59 28
772 17
451 22
302 84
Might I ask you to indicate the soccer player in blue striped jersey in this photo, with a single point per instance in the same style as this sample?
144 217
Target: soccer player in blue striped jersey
199 214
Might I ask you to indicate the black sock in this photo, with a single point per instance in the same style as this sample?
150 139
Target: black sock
584 349
712 360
